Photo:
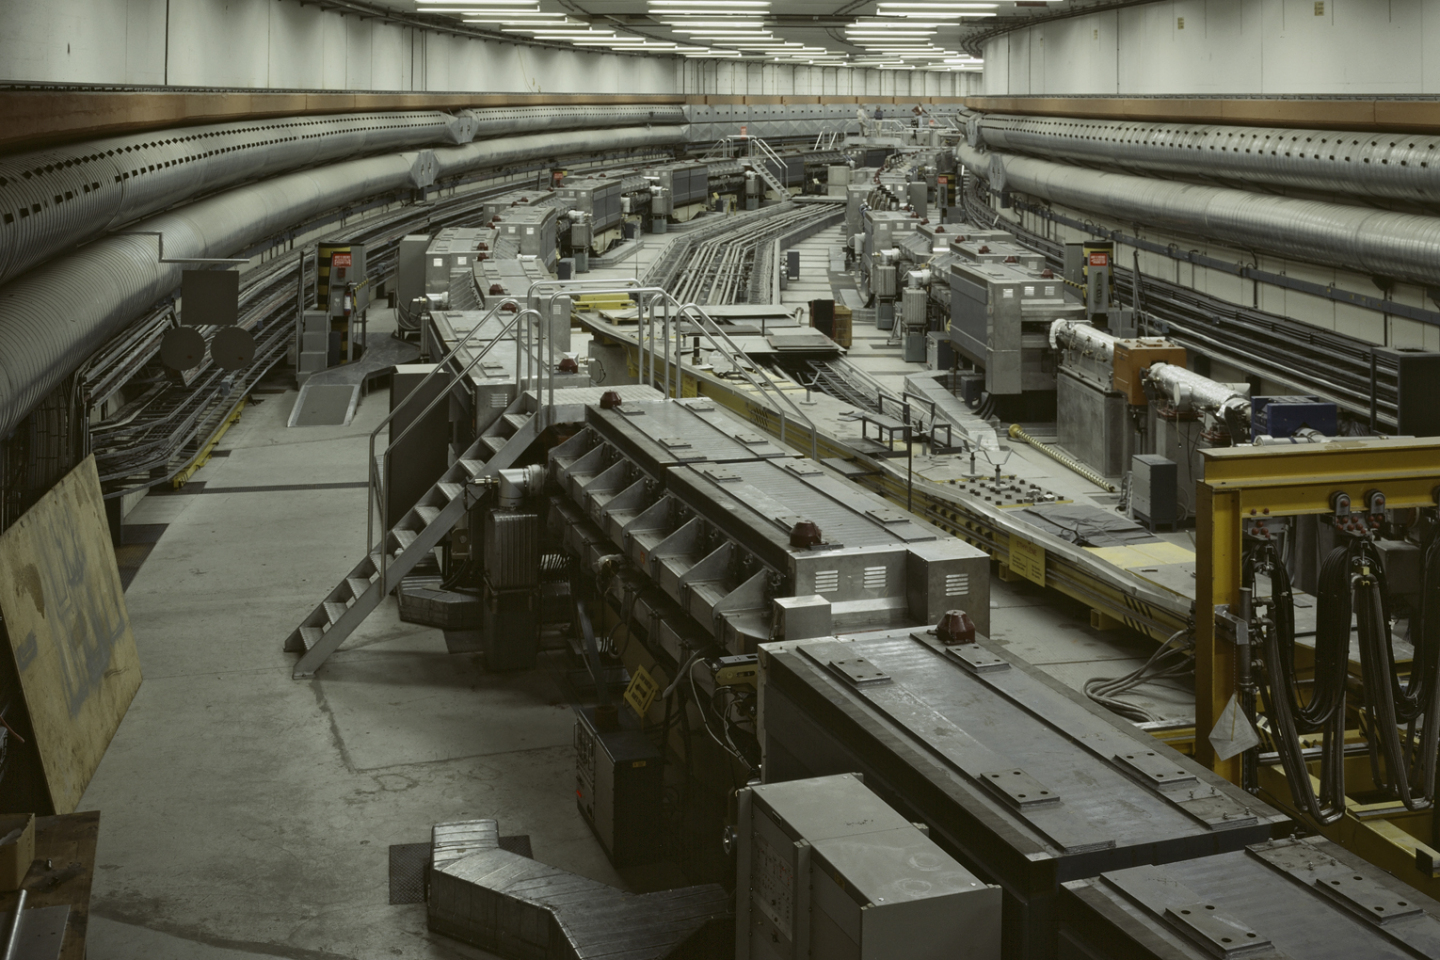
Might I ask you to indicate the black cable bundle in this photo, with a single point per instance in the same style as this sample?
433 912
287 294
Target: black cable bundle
1324 712
1408 771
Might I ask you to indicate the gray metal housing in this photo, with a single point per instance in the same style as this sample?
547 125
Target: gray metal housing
1304 899
705 508
826 869
1000 317
1018 777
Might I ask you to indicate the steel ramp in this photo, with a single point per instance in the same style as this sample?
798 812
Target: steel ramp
408 542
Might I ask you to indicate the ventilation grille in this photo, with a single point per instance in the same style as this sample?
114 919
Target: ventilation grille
498 400
957 584
874 578
827 581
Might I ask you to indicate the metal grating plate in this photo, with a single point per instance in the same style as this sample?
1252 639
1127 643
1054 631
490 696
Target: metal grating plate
410 862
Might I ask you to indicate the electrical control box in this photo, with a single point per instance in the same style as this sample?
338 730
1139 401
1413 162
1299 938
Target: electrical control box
1286 416
827 869
1154 489
619 781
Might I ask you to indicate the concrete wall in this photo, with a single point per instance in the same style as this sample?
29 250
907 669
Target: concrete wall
279 44
1272 47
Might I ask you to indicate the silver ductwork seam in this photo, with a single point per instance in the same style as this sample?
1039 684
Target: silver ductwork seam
1387 166
1399 245
56 315
54 199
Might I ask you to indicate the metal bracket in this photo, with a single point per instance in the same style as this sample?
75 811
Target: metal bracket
1230 627
1216 931
977 659
1019 789
859 672
1154 769
1371 900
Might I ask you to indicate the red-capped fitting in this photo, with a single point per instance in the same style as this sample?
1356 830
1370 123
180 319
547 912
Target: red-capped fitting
610 399
955 627
568 365
805 534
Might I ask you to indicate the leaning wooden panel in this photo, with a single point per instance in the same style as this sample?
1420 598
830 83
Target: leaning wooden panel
69 630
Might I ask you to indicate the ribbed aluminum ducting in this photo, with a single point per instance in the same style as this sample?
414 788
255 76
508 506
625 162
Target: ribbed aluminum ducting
56 198
56 315
1362 239
502 121
1379 165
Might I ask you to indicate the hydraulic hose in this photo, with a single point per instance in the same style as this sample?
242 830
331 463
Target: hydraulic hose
1325 711
1408 771
1064 459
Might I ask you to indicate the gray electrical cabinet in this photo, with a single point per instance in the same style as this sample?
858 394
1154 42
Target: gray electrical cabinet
1154 486
827 870
410 269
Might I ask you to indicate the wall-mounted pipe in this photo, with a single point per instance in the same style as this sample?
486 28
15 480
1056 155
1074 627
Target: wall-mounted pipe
1365 240
54 199
1390 166
57 314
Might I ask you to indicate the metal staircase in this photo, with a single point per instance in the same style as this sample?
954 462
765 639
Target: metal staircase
762 156
421 529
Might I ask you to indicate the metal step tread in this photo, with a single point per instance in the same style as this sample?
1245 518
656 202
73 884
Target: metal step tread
334 609
428 514
358 585
311 636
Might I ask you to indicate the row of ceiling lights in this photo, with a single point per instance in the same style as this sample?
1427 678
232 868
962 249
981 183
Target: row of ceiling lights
737 29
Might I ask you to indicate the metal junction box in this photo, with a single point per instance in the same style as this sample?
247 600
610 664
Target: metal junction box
1021 779
619 782
454 248
827 870
527 231
1284 416
1293 899
1154 490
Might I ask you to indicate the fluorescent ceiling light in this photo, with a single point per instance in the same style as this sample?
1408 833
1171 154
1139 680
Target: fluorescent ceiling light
678 5
931 5
724 24
505 16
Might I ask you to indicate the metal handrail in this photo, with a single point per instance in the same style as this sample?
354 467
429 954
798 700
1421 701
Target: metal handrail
443 395
647 298
370 505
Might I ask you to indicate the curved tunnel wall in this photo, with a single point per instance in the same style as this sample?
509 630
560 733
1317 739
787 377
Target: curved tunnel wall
1223 47
57 314
56 198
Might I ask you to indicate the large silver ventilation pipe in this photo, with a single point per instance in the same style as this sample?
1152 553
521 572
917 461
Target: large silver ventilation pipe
1187 390
1388 166
1365 240
54 199
56 315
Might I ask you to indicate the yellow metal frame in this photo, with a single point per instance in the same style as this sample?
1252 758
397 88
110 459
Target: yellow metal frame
1243 483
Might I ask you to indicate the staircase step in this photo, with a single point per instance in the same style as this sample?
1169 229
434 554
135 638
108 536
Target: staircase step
311 636
493 443
473 467
428 514
451 490
404 537
358 585
334 609
516 420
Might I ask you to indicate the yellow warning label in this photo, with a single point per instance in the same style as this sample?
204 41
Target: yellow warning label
1027 559
642 691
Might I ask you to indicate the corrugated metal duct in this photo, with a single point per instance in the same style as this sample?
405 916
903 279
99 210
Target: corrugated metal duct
1384 166
56 315
1399 245
57 198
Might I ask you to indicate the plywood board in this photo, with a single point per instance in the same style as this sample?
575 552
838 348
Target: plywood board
69 630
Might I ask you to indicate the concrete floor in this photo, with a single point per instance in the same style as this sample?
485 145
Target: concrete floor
246 814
